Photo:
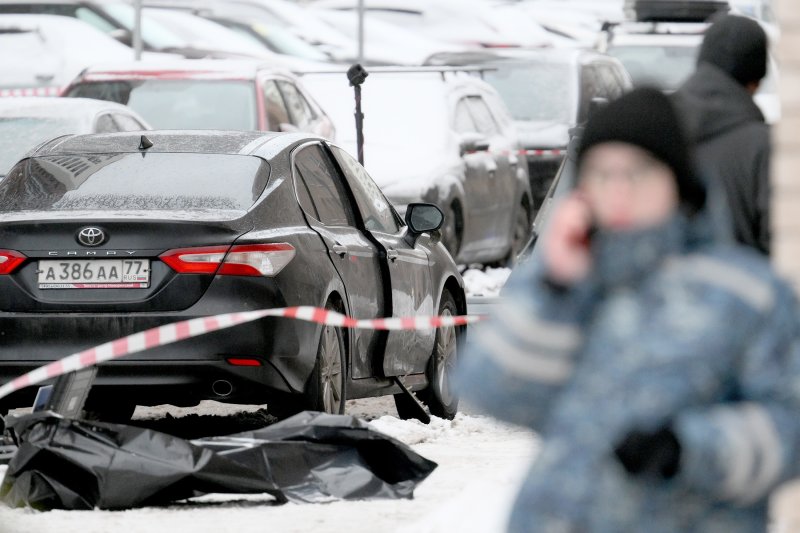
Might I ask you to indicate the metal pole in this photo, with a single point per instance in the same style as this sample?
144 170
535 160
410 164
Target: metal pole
137 30
359 126
361 32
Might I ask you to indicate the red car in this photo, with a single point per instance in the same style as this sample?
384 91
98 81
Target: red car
197 94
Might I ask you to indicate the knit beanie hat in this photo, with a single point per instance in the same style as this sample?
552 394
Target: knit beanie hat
738 46
646 118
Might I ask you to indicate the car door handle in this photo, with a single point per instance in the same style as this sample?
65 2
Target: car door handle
339 249
391 254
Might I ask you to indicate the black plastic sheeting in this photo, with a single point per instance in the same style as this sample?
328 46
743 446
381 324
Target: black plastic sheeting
311 457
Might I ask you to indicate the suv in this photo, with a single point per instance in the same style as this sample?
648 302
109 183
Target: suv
443 138
548 93
208 94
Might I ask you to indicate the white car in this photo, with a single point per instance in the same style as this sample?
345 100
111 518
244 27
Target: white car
665 55
444 139
40 51
28 122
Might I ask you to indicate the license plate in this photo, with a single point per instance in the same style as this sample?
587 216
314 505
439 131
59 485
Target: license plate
94 274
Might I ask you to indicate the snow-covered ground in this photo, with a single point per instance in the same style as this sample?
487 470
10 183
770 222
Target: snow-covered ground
481 463
485 282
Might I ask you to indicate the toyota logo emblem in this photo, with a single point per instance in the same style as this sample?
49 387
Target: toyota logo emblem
91 236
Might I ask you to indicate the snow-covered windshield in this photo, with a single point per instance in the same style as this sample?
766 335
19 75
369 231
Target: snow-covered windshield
20 134
666 67
536 91
154 33
181 104
125 181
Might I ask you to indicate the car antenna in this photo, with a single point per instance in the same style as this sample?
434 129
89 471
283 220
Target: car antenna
145 143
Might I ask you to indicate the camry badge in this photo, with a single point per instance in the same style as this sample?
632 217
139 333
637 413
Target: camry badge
91 236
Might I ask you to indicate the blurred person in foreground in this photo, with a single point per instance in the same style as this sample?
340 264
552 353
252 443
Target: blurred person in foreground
659 365
726 127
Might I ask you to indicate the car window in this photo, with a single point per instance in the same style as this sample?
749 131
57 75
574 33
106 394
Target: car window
323 187
130 182
127 123
92 18
482 115
276 107
181 104
610 85
105 124
375 209
463 122
299 109
590 88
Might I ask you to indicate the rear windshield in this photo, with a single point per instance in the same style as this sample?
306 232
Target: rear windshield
182 104
134 182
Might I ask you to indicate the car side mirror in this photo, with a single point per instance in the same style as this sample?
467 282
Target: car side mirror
122 35
473 142
423 218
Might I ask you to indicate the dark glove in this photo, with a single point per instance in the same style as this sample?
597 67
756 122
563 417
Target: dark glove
650 453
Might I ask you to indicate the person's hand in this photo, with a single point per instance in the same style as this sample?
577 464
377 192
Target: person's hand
655 453
566 248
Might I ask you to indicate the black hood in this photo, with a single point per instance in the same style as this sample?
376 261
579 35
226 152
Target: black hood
713 103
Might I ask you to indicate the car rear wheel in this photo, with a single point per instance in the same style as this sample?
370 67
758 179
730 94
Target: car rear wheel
452 229
522 230
440 395
327 388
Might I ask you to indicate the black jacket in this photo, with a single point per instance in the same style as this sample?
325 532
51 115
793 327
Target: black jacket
732 147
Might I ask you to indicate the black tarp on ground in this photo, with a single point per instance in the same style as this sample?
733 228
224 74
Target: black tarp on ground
311 457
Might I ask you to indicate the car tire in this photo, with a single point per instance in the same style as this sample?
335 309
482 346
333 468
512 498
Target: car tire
520 233
326 389
440 395
452 229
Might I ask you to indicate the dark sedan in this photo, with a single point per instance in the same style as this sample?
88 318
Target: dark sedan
106 235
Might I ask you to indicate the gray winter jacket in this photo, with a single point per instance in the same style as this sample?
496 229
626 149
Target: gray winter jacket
671 329
732 146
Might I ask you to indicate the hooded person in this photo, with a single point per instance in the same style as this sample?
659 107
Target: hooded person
726 127
659 365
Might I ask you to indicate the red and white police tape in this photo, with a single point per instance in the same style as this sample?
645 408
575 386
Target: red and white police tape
177 331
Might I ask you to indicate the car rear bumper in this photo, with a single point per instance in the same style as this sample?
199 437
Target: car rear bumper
182 372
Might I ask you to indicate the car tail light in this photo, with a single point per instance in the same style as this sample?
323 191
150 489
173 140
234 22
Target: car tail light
241 260
204 260
257 259
10 260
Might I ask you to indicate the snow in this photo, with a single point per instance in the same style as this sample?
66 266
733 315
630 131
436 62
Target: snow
485 282
481 464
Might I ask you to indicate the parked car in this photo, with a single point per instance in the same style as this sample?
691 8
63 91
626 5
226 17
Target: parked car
214 222
28 122
235 95
548 94
44 52
664 55
446 139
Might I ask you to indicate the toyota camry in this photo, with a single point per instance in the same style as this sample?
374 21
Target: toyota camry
106 235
